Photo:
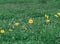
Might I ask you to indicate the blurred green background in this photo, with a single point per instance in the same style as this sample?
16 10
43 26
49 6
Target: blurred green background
21 11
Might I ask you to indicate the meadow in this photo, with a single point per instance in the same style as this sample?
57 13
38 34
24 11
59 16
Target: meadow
29 21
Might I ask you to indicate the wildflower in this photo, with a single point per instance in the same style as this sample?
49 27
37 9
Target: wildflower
56 16
46 16
58 13
30 21
17 23
2 31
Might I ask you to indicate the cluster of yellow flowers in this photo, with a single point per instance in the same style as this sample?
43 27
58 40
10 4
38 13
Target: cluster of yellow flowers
30 21
47 17
3 31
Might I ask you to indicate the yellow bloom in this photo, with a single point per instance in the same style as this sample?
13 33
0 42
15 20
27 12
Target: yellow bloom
58 13
17 23
10 29
47 21
46 16
30 21
2 31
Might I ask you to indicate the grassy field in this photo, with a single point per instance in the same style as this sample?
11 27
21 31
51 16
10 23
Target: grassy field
29 21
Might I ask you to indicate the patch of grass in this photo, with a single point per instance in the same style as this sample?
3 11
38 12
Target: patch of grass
39 32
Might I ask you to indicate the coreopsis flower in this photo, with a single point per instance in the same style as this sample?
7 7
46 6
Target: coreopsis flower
16 23
30 21
2 31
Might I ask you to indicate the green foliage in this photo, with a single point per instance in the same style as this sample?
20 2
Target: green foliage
21 11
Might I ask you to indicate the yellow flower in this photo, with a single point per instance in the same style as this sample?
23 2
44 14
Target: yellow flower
11 30
17 23
2 31
30 21
46 16
47 21
58 13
